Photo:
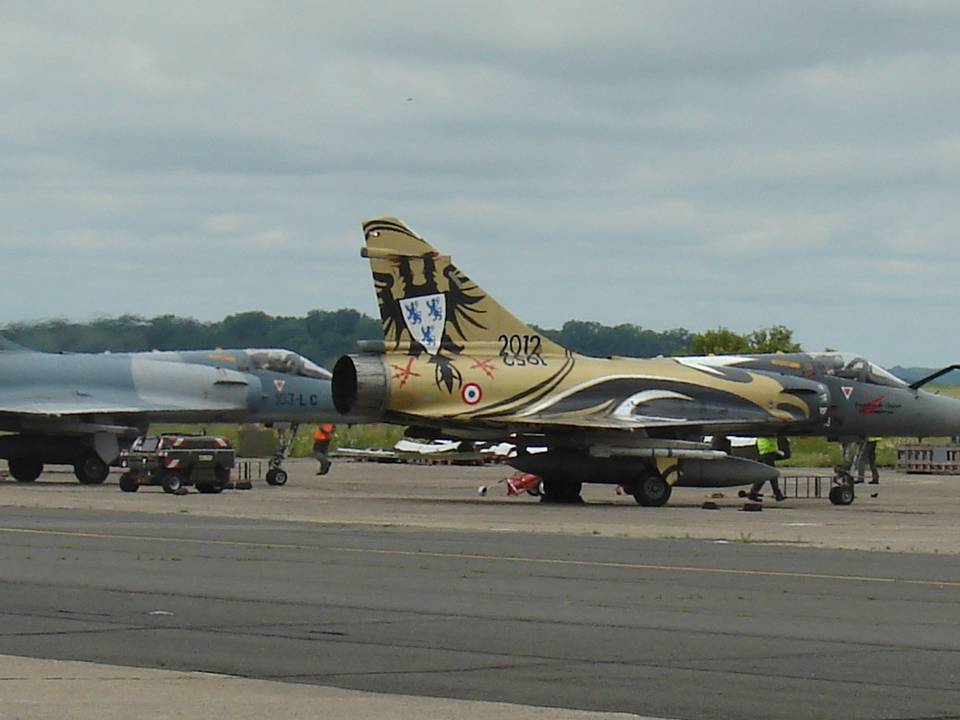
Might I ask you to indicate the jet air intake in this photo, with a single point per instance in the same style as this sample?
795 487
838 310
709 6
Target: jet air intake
360 387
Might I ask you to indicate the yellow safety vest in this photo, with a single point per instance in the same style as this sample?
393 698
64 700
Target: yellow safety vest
767 445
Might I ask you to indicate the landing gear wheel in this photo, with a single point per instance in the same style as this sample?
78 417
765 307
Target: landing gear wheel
25 470
555 491
842 494
651 490
276 476
91 470
172 482
128 483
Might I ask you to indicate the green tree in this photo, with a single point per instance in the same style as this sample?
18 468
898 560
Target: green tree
592 338
324 335
724 341
778 338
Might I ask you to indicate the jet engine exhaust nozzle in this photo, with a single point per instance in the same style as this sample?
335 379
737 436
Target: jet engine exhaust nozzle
360 387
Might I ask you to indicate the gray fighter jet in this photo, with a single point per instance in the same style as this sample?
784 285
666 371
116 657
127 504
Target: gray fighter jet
79 409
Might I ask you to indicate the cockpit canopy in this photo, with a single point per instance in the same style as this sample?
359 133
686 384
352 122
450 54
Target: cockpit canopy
286 362
854 367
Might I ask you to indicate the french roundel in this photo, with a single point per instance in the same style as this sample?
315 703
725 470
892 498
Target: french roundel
471 393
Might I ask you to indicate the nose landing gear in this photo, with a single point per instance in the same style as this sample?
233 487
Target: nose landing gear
842 492
276 475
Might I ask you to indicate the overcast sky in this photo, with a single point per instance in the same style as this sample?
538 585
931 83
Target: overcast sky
667 164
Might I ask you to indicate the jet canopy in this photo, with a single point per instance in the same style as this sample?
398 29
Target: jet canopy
286 362
854 367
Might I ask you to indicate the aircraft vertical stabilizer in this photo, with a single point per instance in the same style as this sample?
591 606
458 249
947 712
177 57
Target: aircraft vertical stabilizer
428 304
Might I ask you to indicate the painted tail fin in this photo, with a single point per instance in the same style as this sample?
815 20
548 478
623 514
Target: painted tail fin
428 304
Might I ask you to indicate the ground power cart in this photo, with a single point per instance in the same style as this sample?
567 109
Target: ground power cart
174 461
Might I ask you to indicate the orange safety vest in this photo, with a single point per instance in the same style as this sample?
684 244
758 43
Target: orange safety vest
323 432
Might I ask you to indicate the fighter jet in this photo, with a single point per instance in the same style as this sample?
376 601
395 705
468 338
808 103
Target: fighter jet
454 363
79 409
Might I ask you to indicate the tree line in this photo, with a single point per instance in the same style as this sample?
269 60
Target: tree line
323 335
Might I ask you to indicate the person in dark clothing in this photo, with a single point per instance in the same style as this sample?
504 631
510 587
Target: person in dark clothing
869 459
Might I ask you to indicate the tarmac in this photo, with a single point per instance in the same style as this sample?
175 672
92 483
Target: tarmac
400 591
911 513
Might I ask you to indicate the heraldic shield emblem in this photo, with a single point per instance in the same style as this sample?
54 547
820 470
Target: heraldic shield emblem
425 317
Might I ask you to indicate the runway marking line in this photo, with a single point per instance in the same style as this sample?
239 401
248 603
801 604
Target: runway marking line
494 558
645 566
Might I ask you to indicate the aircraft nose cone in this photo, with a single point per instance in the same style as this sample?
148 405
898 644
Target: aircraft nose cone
935 416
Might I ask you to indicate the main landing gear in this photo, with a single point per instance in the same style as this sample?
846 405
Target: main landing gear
276 475
91 470
24 470
651 489
554 490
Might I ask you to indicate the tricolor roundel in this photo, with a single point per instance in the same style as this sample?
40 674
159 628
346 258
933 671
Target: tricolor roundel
471 393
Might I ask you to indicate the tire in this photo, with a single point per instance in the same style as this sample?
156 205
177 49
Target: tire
91 470
172 481
276 476
129 483
651 490
842 494
555 491
24 470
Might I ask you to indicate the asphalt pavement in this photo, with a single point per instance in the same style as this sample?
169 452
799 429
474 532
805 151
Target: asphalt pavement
664 628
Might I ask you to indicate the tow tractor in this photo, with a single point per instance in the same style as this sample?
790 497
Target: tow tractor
175 460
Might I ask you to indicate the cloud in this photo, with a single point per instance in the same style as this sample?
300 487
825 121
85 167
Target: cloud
669 164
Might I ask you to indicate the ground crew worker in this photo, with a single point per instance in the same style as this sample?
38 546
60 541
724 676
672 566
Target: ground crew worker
321 444
869 458
768 448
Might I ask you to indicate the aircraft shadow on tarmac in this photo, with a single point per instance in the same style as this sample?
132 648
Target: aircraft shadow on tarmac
525 504
52 483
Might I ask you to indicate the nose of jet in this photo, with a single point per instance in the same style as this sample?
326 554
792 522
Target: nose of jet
935 416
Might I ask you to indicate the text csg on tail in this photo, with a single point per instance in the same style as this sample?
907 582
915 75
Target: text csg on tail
455 363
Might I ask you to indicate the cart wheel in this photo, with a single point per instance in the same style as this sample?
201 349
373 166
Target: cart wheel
841 494
129 483
276 476
172 482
